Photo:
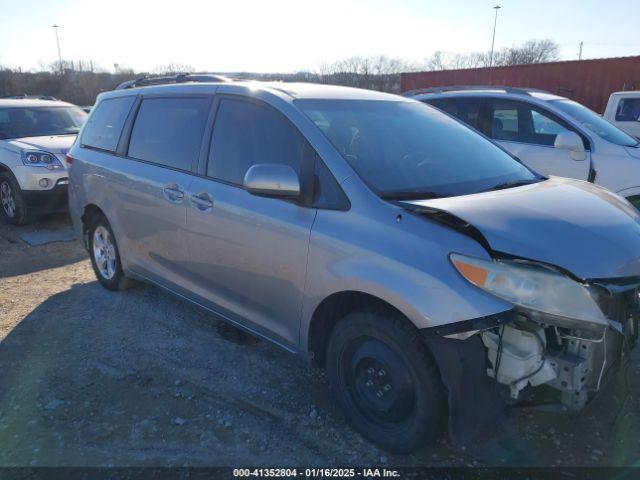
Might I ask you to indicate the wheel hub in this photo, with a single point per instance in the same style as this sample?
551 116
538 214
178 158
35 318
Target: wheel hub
382 385
7 199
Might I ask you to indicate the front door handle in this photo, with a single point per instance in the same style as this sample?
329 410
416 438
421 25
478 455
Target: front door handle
173 192
202 201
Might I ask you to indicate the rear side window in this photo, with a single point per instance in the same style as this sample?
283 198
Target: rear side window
246 133
105 124
628 110
465 109
168 131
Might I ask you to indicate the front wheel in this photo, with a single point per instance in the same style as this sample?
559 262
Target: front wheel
385 380
12 206
105 257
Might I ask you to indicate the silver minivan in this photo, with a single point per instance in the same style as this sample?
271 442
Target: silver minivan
433 275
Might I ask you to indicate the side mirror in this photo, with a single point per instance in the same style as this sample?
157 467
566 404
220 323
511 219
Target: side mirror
272 180
571 141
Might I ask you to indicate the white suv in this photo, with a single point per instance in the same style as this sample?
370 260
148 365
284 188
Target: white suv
552 135
35 136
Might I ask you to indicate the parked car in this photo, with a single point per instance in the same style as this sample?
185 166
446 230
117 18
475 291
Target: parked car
34 138
553 135
423 266
623 110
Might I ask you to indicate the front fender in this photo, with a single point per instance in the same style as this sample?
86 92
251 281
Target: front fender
405 265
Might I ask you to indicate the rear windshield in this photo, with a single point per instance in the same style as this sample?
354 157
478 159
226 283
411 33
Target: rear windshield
594 122
40 121
411 150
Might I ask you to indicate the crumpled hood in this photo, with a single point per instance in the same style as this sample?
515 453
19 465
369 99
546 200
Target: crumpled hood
574 225
50 143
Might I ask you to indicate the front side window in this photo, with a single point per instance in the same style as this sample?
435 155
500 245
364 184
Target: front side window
105 123
628 110
410 150
595 123
20 122
515 121
168 131
246 133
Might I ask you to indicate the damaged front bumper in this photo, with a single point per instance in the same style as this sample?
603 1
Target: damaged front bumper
523 348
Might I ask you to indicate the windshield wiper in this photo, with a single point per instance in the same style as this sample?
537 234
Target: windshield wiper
404 195
505 185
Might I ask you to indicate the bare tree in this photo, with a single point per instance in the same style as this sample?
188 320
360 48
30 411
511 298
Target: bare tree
173 69
532 51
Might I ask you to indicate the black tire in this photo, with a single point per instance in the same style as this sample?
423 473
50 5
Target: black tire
411 409
117 280
13 210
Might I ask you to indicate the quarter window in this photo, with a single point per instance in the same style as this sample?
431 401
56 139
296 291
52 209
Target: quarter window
247 133
168 131
105 123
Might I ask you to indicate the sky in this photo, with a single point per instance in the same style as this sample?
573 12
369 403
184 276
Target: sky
288 36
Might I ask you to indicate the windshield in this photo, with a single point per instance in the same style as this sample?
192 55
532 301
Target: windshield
594 122
40 121
411 150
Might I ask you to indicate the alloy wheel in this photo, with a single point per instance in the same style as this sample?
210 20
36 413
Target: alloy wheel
104 252
7 199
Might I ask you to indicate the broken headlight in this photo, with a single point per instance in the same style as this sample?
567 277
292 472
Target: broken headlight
534 288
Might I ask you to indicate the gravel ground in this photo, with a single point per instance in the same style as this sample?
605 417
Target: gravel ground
90 377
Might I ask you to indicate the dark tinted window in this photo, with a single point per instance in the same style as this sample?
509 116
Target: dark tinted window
246 133
628 110
466 109
105 123
168 131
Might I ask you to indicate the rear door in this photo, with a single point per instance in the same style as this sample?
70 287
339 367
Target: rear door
162 152
529 133
249 253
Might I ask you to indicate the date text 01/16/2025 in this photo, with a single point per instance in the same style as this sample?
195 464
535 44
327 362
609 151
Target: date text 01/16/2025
316 472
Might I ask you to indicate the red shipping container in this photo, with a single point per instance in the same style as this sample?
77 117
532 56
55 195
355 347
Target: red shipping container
589 82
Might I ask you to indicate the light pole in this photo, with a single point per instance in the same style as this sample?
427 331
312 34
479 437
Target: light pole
55 27
493 40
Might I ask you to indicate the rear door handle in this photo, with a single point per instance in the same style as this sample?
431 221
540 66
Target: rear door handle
173 192
202 201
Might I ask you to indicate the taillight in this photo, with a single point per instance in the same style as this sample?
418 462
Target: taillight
69 160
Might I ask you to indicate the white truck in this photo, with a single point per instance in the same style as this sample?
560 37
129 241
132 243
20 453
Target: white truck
623 110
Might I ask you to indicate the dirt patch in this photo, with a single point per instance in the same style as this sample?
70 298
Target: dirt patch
91 377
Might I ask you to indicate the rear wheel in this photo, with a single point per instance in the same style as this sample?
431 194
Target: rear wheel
12 206
105 257
385 380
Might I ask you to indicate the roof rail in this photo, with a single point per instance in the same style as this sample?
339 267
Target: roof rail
462 88
24 96
169 79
